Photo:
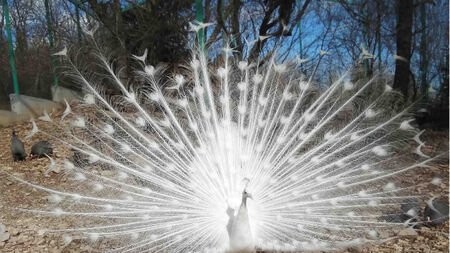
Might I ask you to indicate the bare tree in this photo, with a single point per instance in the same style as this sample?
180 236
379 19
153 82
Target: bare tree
159 26
405 10
267 19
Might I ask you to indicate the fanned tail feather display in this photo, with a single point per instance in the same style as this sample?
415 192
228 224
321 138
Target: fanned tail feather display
163 163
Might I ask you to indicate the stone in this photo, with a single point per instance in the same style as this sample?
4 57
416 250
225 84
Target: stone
4 237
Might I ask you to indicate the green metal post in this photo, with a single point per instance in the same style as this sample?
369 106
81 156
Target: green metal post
224 37
50 39
300 31
364 43
423 53
77 13
379 52
11 48
379 35
199 16
300 36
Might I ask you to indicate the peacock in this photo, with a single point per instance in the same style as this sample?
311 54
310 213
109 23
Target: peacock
241 239
165 167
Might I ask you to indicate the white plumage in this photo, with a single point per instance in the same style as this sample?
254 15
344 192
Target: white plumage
241 236
320 159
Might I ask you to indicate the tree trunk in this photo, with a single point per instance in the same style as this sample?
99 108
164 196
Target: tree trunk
405 10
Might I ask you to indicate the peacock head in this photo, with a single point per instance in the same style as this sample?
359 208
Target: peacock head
246 194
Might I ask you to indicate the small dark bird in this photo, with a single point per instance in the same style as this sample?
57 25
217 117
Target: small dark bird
17 148
41 149
436 212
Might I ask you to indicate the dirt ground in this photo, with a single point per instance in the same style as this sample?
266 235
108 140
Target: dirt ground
23 228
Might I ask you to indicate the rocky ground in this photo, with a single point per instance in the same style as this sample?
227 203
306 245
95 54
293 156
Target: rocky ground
22 229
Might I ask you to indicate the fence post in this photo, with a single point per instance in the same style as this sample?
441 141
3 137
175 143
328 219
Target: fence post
200 18
300 44
11 48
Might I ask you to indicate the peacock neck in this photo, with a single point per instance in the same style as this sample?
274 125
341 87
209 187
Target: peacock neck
244 200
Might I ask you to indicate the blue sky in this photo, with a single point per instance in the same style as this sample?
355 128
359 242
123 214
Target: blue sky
339 59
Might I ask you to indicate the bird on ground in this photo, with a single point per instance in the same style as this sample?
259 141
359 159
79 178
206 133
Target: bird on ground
436 212
41 149
17 148
241 239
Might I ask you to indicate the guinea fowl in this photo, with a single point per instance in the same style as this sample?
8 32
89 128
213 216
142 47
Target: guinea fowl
436 212
17 148
41 149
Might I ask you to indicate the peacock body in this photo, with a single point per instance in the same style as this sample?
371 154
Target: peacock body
160 174
241 239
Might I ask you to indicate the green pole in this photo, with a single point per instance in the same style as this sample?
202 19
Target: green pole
200 17
364 15
300 44
300 37
423 53
50 39
77 13
379 36
379 52
224 37
11 48
300 32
